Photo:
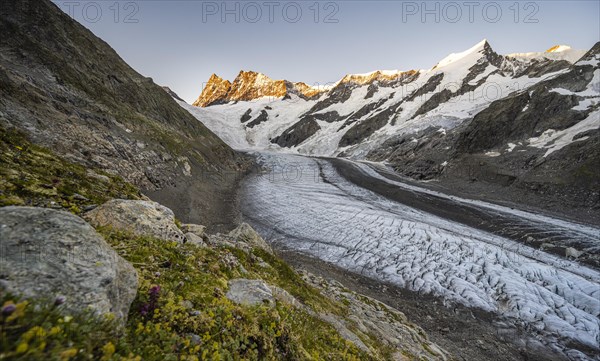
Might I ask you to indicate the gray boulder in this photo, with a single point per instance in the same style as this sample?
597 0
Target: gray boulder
246 234
194 239
196 229
48 253
141 218
250 292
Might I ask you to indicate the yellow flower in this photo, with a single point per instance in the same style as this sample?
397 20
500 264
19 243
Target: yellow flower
35 331
68 319
22 347
107 351
67 354
19 311
54 331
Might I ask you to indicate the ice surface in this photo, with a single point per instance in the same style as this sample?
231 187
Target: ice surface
305 205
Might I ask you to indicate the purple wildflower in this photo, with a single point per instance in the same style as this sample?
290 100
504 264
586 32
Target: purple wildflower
145 309
154 291
8 309
149 307
60 300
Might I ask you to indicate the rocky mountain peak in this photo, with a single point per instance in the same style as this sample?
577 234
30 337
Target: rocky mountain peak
214 91
383 76
250 85
558 48
471 55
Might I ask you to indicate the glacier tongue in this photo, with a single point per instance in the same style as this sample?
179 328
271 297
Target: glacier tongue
305 205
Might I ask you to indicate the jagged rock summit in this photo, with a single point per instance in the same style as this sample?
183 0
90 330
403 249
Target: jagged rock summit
250 85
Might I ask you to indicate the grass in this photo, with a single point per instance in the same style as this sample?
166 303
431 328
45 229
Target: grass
180 311
33 176
188 318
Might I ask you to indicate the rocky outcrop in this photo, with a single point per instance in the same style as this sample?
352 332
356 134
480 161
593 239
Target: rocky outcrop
196 229
140 218
297 133
195 234
367 315
250 85
54 254
246 234
250 292
303 90
243 237
382 77
367 127
214 92
262 117
246 116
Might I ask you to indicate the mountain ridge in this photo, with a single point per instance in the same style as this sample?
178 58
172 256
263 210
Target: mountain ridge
418 122
250 85
69 91
245 86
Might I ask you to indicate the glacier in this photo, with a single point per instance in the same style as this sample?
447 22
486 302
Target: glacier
303 204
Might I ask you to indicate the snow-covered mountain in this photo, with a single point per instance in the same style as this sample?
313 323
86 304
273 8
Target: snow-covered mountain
519 120
361 111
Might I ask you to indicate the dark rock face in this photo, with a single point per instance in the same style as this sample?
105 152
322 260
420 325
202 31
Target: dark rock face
246 116
418 155
339 94
431 84
304 129
523 116
366 109
543 67
433 102
172 93
297 133
329 117
371 90
262 117
367 127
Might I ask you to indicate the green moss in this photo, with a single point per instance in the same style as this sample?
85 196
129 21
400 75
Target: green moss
190 318
189 275
178 223
32 175
428 349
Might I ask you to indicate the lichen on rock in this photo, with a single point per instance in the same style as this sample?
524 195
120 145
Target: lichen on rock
54 254
141 218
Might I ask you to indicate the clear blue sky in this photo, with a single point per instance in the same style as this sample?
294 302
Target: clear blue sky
181 43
